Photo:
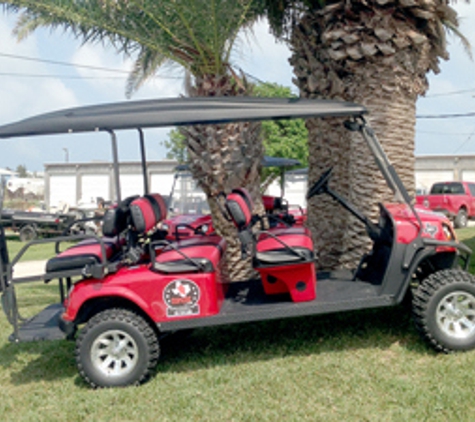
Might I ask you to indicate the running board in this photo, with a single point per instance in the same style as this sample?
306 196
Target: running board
43 326
246 302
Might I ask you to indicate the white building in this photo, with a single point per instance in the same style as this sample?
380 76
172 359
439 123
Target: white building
84 182
75 183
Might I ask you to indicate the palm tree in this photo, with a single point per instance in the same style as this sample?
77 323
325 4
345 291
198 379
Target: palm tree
196 35
377 53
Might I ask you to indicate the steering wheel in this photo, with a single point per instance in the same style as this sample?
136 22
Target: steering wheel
319 187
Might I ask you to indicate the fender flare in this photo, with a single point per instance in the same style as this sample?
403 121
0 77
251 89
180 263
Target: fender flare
104 294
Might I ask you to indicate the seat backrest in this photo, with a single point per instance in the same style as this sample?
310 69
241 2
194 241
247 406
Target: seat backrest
116 219
239 207
147 211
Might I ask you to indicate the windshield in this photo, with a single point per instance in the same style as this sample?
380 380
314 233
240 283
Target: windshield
447 188
188 197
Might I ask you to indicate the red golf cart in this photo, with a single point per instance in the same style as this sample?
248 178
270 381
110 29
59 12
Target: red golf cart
120 294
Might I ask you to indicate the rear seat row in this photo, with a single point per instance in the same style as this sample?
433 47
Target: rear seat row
130 226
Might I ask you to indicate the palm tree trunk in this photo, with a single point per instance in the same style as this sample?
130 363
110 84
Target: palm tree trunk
224 157
342 56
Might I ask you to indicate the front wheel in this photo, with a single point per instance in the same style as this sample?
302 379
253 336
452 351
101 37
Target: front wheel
444 310
116 348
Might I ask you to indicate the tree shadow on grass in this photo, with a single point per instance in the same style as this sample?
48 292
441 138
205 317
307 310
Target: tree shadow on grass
244 343
235 344
38 361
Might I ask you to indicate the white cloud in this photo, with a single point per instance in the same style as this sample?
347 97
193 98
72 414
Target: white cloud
259 54
454 135
112 85
24 96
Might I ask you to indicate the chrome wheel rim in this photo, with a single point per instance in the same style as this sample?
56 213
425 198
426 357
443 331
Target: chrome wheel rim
114 353
455 315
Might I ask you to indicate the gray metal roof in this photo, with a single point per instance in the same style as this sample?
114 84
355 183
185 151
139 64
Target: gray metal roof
175 112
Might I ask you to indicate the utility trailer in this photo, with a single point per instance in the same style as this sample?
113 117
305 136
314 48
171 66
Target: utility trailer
31 224
128 289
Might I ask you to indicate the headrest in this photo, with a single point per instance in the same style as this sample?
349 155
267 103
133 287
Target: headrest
115 219
273 203
239 206
147 211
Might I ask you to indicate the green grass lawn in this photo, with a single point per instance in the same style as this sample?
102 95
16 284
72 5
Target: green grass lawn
35 252
366 366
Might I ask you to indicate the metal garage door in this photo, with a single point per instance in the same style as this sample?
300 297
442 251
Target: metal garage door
425 179
62 190
131 184
94 186
468 175
161 183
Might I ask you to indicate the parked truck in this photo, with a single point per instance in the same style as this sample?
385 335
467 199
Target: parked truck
454 199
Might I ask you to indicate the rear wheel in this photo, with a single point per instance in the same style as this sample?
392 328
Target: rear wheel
444 310
28 233
461 219
116 348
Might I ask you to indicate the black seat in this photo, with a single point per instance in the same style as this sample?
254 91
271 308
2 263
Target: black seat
91 252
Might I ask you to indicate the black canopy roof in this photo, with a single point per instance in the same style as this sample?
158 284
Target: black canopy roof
267 161
175 112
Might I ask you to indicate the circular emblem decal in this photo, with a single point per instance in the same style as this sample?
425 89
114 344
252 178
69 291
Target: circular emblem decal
181 297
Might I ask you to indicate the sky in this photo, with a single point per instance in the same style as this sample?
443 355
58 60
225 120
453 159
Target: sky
30 87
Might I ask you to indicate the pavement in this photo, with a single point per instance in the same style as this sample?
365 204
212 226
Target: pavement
29 268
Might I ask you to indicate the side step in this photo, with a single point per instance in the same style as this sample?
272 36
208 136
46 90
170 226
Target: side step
43 326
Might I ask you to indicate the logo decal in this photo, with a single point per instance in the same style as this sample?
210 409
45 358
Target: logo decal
431 229
181 297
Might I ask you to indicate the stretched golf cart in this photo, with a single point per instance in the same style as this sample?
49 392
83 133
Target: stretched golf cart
123 292
190 214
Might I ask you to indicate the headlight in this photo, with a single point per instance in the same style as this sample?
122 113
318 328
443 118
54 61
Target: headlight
165 227
448 232
204 228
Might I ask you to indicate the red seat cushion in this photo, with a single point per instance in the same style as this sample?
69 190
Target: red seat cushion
283 246
205 251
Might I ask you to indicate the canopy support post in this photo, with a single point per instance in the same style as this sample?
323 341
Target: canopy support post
115 159
144 161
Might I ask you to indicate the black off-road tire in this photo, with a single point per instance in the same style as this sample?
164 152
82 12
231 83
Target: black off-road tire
117 348
461 219
443 309
28 233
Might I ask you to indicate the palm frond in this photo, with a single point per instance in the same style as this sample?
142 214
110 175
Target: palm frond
145 66
196 34
452 27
